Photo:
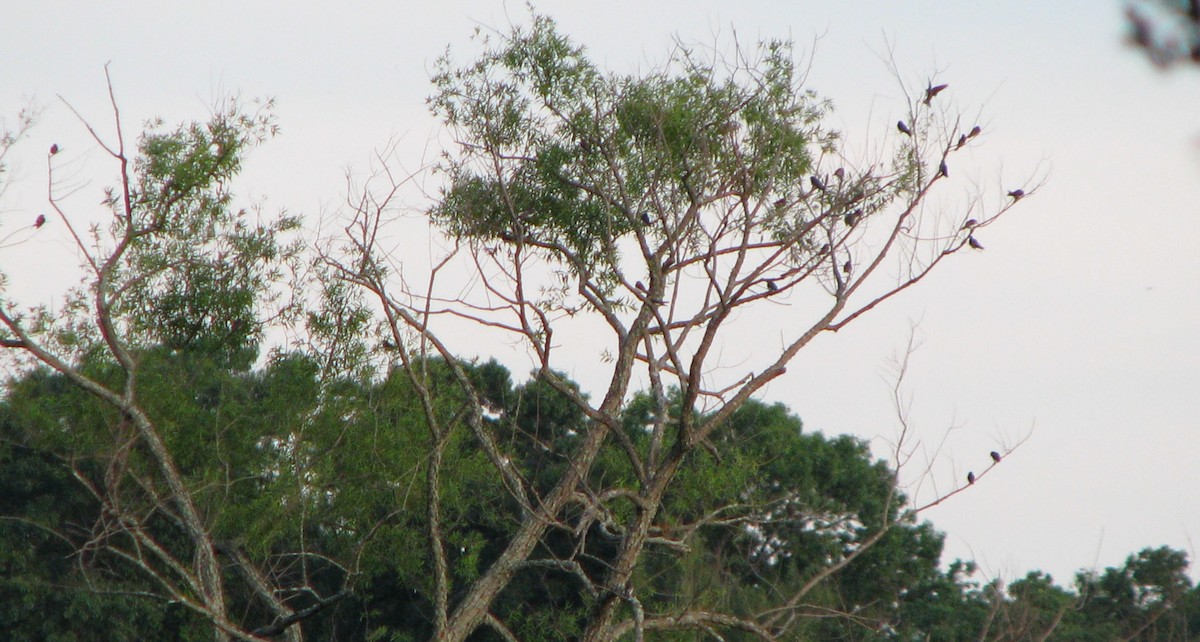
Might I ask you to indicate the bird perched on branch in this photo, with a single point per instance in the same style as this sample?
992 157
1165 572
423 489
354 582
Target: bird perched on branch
39 221
933 91
971 478
969 224
962 140
840 173
1016 194
54 149
944 170
976 245
645 218
817 183
975 131
771 287
903 127
995 456
852 218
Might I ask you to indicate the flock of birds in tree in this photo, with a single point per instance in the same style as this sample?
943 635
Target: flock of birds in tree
853 217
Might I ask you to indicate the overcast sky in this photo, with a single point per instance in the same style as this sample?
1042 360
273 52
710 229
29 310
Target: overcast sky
1078 327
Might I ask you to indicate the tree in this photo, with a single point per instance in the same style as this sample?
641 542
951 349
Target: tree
659 208
1167 30
168 306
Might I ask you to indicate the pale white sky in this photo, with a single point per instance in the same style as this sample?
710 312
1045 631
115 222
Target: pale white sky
1079 324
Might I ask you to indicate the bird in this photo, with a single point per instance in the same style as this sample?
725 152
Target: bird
973 243
825 249
40 221
852 218
388 345
780 202
846 266
975 131
639 285
969 224
840 173
1017 194
944 170
817 183
771 287
971 478
933 91
995 456
903 128
962 140
54 149
645 218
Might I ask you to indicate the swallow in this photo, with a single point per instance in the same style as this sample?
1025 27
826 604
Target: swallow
903 128
933 91
771 287
962 140
817 183
1016 194
852 218
975 131
825 249
640 286
973 243
54 149
969 224
645 218
995 456
970 478
40 221
847 266
840 173
944 170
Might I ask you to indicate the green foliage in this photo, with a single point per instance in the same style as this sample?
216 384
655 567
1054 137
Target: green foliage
556 154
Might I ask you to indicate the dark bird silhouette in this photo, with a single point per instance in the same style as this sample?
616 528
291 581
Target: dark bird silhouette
39 221
944 170
825 249
995 456
852 218
54 149
780 202
970 478
973 243
969 224
934 91
388 345
847 266
640 286
903 128
645 218
975 131
817 183
771 287
1017 194
962 140
840 173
